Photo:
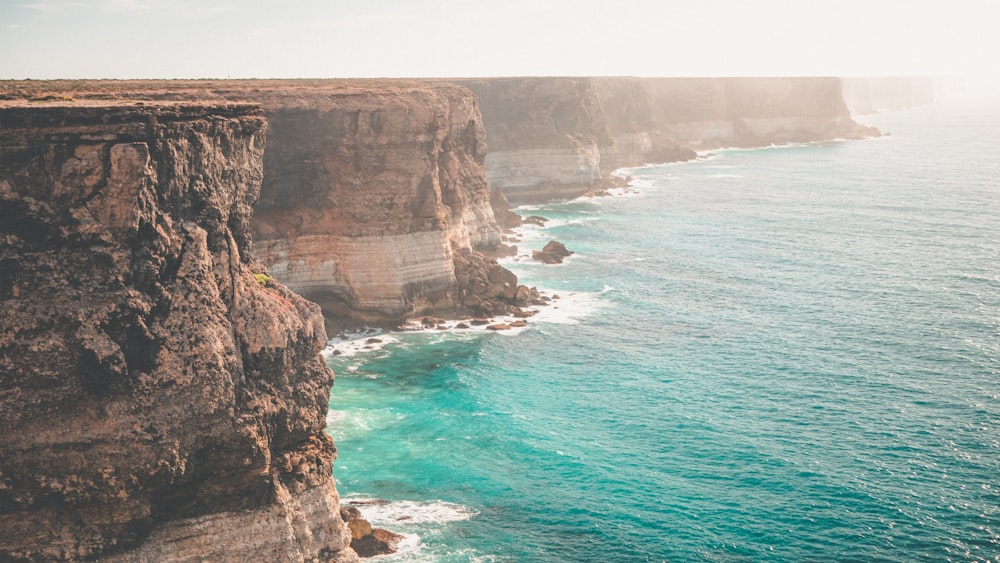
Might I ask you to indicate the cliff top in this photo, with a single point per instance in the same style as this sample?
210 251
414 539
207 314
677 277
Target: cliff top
84 93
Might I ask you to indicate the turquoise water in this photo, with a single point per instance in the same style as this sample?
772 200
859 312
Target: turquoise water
790 354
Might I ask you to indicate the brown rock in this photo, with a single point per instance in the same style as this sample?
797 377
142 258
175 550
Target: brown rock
192 398
523 296
506 218
379 542
361 176
552 253
498 326
518 323
556 247
546 257
486 287
365 540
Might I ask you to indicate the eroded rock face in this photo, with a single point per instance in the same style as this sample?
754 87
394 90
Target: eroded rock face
157 400
558 138
366 194
872 95
709 113
544 136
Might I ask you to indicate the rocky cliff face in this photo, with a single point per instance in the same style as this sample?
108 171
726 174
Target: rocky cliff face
369 192
554 138
632 116
708 113
369 188
157 399
544 135
871 95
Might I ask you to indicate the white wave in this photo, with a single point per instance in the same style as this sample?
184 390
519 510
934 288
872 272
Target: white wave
349 344
398 514
362 420
720 175
333 417
643 184
571 307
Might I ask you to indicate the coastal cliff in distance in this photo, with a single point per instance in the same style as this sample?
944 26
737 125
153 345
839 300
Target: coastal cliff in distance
866 96
160 398
553 138
544 135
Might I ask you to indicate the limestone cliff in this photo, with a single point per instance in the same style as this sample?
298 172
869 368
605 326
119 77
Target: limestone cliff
158 400
709 113
631 113
544 135
370 187
368 193
554 138
872 95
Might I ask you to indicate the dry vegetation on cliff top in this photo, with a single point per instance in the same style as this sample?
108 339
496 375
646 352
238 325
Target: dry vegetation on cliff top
87 92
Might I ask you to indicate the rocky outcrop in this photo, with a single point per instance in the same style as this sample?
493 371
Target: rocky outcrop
365 540
552 253
871 95
160 397
554 138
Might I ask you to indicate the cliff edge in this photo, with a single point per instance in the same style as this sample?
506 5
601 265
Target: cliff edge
375 199
374 204
160 397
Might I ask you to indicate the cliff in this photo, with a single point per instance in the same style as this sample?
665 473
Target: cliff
158 399
374 204
871 95
711 113
636 136
368 196
553 138
544 135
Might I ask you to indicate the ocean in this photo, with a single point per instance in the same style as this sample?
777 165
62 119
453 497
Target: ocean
783 354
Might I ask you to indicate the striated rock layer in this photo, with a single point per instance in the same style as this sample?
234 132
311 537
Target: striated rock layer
158 400
710 113
368 193
554 138
544 135
369 188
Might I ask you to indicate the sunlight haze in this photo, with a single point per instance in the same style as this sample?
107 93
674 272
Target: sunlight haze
45 39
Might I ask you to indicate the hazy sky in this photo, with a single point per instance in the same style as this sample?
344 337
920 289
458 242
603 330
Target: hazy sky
357 38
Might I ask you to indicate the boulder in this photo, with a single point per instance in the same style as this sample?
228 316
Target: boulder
365 540
556 247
